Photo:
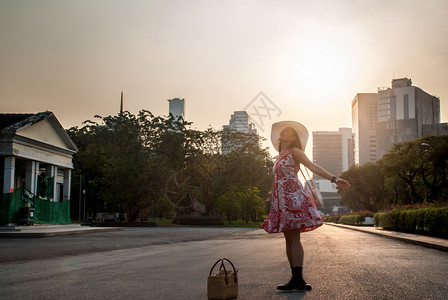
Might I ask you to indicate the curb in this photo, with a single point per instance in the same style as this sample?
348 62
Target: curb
24 234
393 235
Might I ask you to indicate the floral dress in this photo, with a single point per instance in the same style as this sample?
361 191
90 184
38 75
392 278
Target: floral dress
291 206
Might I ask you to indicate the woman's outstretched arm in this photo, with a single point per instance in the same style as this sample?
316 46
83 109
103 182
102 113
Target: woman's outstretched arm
301 157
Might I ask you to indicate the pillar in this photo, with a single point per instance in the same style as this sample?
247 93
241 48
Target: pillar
67 184
9 174
32 168
36 176
53 173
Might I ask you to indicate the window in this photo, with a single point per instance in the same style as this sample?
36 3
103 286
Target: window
393 107
406 106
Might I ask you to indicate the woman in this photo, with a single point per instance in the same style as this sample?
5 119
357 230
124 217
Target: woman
292 210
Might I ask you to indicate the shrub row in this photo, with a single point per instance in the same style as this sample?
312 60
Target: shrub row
353 219
431 221
333 219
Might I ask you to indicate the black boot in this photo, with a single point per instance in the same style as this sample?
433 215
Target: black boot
296 283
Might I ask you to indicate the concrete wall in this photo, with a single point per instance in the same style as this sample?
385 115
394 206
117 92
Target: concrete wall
44 132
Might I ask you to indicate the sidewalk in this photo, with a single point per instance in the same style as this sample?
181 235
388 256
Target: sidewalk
421 240
40 230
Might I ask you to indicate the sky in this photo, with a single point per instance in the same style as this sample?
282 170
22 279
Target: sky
305 59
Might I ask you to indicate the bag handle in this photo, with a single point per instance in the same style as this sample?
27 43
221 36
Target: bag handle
225 270
310 186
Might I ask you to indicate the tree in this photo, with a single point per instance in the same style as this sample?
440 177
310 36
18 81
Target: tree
113 163
229 204
128 162
421 165
252 206
243 163
368 191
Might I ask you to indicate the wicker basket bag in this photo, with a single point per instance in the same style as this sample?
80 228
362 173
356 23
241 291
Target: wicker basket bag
224 284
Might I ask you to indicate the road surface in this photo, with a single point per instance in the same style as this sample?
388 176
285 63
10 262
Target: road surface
173 263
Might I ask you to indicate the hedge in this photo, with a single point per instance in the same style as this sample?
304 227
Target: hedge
352 219
334 219
431 221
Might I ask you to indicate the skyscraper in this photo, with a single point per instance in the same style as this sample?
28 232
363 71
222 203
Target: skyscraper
395 114
177 107
241 122
364 120
405 113
332 150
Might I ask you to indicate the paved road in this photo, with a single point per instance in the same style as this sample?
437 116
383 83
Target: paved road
165 263
25 249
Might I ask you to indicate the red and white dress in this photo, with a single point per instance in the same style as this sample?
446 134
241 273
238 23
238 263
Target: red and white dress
291 206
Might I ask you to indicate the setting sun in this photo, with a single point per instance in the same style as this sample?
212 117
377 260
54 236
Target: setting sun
319 65
320 58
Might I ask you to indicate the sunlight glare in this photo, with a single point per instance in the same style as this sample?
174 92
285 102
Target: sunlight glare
320 69
317 63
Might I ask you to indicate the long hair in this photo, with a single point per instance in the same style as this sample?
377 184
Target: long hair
295 143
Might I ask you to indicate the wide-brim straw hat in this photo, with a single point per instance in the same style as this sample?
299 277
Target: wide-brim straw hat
277 128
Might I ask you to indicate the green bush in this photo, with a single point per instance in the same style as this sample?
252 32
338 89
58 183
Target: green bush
352 219
384 220
431 221
333 219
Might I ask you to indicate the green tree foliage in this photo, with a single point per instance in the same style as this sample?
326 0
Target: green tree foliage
252 205
128 161
368 191
420 167
411 172
229 204
113 164
245 204
243 163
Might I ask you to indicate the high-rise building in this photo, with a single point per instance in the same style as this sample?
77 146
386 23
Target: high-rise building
405 113
332 150
177 107
364 120
241 122
395 114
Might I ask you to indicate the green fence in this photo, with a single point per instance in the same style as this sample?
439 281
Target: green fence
46 212
9 208
52 212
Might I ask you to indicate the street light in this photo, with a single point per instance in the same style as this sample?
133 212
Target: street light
84 212
80 189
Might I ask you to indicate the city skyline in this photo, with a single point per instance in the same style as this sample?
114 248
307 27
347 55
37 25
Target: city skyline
74 58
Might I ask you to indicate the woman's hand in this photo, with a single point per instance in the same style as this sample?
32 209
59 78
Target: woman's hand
269 198
343 184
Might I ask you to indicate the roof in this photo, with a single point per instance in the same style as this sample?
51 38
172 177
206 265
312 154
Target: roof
11 123
7 120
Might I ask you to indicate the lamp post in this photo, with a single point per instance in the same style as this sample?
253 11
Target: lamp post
80 190
84 213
